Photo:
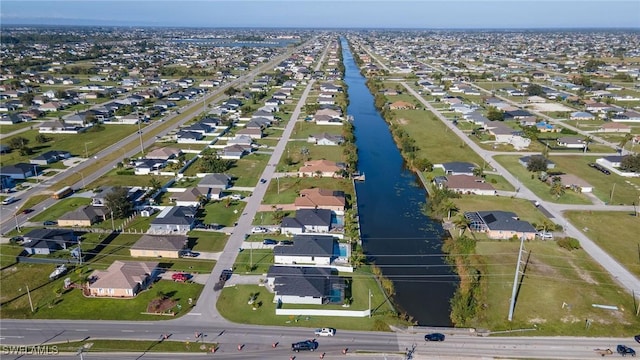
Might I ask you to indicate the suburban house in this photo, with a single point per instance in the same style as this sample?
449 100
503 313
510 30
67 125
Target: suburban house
173 219
305 285
122 279
215 181
190 197
582 115
84 216
307 221
163 153
325 139
234 152
148 166
50 157
572 182
308 249
615 127
320 168
164 246
572 142
19 171
524 161
316 198
465 184
500 224
456 168
47 241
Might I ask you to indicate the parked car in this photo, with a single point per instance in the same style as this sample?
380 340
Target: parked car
285 242
625 350
259 230
310 345
180 277
189 253
49 223
225 275
325 332
434 337
235 197
637 338
545 235
269 242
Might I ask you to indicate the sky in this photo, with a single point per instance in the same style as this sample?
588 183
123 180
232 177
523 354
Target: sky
423 14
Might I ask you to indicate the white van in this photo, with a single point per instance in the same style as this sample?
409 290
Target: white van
9 200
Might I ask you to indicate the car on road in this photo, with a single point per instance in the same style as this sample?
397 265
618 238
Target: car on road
310 345
49 223
434 337
259 230
225 274
269 242
637 338
262 181
325 332
285 242
26 211
181 277
625 350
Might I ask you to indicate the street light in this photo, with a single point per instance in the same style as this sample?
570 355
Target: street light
140 134
15 216
82 176
86 152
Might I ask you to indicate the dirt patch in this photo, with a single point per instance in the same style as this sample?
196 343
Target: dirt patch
160 305
585 276
570 319
541 268
537 321
403 121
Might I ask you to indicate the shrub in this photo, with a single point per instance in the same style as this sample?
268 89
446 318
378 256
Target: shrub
379 325
569 243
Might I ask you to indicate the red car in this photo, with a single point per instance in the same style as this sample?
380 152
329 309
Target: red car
180 277
26 211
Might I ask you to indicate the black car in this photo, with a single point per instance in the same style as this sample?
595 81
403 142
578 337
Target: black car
285 242
310 345
625 350
189 253
434 337
637 338
269 242
50 223
225 275
262 181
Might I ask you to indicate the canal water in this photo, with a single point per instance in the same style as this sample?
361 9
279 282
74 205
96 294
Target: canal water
396 235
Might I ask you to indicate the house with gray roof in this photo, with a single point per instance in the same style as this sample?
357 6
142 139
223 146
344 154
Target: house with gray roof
47 241
524 161
500 224
307 221
50 157
19 171
215 181
305 285
456 168
307 249
174 220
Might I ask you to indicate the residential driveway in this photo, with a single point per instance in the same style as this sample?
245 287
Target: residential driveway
196 278
284 207
255 245
208 255
244 280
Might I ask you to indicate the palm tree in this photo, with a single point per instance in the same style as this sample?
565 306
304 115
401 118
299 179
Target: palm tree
461 223
624 142
449 207
587 140
478 171
557 188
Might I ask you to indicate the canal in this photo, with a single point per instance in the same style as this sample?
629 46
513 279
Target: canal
396 235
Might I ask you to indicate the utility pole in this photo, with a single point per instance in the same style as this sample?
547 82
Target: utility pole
140 134
612 190
29 295
369 303
515 280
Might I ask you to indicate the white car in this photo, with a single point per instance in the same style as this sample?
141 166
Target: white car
259 230
325 332
545 235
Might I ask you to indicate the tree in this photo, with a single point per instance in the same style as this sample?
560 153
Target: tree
495 114
461 223
557 188
630 163
478 171
449 207
212 163
118 202
230 91
624 142
587 140
27 98
535 90
18 142
155 184
41 138
537 163
423 164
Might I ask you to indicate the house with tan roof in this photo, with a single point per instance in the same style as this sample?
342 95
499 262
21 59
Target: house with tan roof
466 184
164 246
321 199
122 279
320 168
572 182
189 197
615 127
164 153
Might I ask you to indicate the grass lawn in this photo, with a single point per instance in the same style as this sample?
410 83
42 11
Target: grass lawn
256 261
207 241
499 182
247 171
111 346
626 189
232 304
6 129
538 187
290 188
615 232
112 178
553 276
433 138
295 150
217 212
523 208
303 129
60 208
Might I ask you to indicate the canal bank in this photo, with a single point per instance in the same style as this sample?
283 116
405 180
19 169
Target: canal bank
396 235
